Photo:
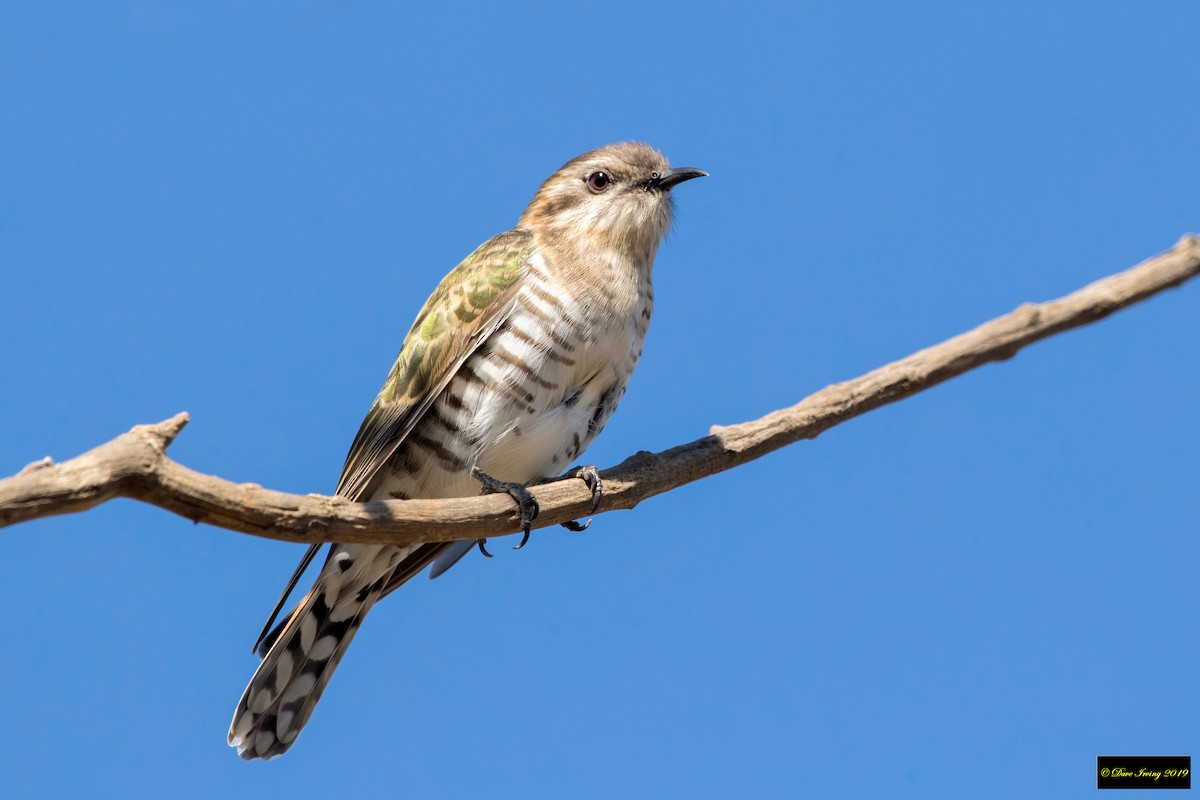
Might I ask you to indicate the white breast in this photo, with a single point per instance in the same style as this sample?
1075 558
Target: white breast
582 351
534 395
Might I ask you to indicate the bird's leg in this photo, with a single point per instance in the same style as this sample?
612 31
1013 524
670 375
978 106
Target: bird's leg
526 501
591 476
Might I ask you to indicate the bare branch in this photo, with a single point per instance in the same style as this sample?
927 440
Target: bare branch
135 464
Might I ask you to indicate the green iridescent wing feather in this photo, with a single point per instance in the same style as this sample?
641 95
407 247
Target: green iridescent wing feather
471 302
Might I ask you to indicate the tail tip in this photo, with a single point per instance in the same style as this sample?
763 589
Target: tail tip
264 745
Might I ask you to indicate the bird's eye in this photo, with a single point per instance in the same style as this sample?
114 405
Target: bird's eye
598 181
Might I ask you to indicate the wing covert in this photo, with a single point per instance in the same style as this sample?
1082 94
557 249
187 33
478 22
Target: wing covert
473 300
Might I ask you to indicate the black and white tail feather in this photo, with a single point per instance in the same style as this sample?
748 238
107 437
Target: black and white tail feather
295 670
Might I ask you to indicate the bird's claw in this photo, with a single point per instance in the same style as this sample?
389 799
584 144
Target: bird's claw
483 547
529 505
591 476
526 501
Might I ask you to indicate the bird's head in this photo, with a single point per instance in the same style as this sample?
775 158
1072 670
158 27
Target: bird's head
618 196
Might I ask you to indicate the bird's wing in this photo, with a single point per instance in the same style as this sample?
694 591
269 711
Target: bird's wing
467 306
448 556
471 302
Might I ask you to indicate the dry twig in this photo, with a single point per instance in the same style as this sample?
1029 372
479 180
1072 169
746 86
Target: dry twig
135 464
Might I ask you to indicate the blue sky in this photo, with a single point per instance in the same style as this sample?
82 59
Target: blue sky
237 209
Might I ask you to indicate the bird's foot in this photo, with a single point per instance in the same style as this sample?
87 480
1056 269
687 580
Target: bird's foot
526 501
591 476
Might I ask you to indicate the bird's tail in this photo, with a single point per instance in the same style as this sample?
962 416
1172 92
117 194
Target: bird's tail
293 674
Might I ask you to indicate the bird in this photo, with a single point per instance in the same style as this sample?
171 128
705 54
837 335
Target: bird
512 367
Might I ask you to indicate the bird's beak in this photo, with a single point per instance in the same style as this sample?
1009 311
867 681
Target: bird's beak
675 176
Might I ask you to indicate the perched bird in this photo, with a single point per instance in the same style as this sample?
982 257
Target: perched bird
510 370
